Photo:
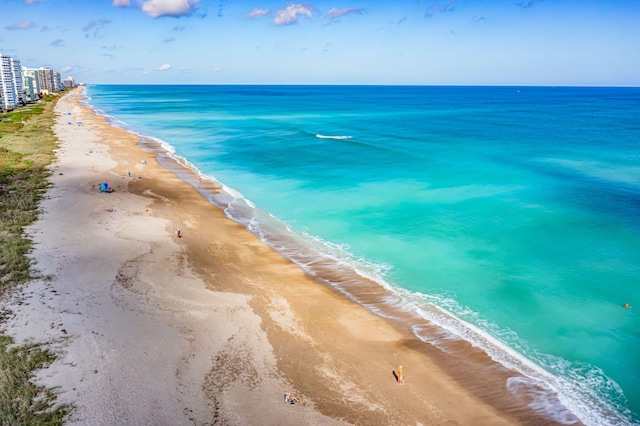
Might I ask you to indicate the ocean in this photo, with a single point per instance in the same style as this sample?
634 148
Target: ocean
508 216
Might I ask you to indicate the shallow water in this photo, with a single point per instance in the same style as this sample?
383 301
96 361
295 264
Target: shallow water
514 210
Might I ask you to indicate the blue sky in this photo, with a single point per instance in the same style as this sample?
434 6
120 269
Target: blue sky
424 42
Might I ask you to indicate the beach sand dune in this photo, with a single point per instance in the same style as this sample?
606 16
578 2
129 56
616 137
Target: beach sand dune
212 327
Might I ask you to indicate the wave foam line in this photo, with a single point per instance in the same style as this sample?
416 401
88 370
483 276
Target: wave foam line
555 388
332 137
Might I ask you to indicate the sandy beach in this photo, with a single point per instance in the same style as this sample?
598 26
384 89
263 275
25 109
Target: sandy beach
213 327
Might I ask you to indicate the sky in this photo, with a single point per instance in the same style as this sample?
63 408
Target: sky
400 42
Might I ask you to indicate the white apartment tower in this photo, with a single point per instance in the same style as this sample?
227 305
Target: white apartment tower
19 85
11 87
31 83
57 81
8 93
16 77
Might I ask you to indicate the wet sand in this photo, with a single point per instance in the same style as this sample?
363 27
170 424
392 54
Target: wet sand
214 327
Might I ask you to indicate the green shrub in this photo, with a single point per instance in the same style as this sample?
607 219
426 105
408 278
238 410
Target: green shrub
21 401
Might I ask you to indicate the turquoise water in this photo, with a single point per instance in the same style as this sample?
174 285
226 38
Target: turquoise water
514 210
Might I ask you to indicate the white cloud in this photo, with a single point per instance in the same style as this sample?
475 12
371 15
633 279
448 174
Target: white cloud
335 13
289 15
24 25
32 1
121 3
164 67
257 13
157 8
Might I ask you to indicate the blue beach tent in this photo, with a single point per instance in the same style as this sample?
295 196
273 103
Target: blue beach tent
104 187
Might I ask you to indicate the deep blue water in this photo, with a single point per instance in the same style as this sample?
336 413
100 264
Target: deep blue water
513 210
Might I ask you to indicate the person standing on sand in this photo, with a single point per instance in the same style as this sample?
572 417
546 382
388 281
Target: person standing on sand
400 376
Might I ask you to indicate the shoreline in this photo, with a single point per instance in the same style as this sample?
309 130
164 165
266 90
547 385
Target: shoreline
372 295
238 324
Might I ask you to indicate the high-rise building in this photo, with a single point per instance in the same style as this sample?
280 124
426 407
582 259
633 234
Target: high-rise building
16 78
57 81
29 87
31 83
7 86
45 77
11 84
19 85
69 82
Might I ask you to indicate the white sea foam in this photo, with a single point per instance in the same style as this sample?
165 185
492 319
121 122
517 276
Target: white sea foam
541 399
332 137
583 389
169 149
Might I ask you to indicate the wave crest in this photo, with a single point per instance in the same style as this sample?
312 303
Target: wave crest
332 137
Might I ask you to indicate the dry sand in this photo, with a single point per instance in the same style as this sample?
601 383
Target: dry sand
213 327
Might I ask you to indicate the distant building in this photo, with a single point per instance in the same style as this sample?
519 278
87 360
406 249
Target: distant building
19 85
50 81
57 81
31 84
30 91
69 82
16 77
47 83
9 82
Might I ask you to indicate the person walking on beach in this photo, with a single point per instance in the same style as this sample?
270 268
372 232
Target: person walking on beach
400 376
